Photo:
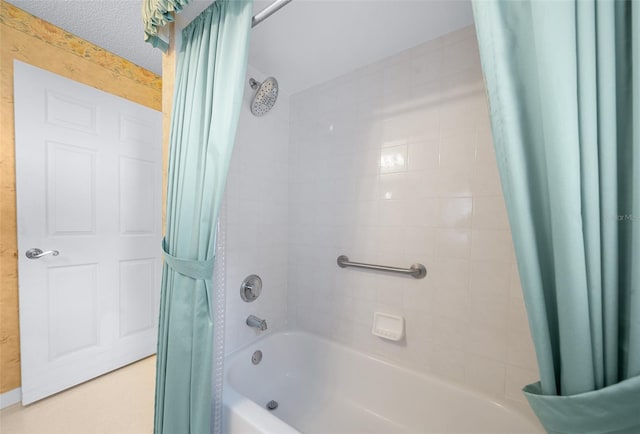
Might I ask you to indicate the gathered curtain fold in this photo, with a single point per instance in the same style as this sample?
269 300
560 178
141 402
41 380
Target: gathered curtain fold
155 15
210 77
563 80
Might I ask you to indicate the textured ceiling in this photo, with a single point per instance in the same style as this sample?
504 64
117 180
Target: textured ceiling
114 25
305 43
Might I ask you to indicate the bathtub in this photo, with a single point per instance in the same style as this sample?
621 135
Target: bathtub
324 387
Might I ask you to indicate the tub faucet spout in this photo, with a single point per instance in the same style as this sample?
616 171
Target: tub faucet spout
254 321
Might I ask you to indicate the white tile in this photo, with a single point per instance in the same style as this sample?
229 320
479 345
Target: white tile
393 186
363 312
396 351
453 243
322 301
449 274
490 278
458 151
487 341
423 183
395 128
516 379
344 306
391 238
463 103
391 213
395 102
314 322
455 212
424 155
447 362
485 150
521 351
485 374
418 298
367 188
517 319
451 304
418 324
455 181
491 245
420 212
490 311
490 212
449 332
422 111
363 340
486 178
419 242
343 331
391 296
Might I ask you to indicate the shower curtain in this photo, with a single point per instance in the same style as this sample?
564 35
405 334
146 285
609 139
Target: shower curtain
563 80
210 76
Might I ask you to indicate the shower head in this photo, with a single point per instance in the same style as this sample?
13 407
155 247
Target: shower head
265 97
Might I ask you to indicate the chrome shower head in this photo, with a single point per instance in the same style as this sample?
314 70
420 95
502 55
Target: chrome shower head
266 96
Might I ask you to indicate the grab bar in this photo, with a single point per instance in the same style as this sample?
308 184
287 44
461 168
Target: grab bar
418 271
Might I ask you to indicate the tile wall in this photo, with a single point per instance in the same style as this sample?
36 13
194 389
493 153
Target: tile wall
394 164
257 217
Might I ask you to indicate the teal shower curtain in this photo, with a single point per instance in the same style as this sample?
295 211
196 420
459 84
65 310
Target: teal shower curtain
210 79
563 80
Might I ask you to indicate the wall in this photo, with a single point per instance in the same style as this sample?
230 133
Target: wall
31 40
442 207
257 217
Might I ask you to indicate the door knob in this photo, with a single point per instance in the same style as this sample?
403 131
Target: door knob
37 253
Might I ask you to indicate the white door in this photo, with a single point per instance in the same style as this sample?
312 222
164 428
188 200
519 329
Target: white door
89 186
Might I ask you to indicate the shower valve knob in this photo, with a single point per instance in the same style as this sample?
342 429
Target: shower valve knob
251 288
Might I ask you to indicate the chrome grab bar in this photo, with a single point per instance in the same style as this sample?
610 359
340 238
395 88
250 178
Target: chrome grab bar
38 253
418 271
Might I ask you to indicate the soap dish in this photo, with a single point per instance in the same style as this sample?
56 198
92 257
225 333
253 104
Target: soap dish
388 326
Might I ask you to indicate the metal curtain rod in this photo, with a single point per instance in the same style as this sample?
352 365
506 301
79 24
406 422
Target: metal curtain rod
268 11
418 271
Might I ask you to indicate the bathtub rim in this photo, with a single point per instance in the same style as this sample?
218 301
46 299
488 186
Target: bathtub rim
236 398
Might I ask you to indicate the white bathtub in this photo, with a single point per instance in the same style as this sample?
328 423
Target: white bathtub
324 387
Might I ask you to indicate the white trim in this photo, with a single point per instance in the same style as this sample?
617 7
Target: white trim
11 397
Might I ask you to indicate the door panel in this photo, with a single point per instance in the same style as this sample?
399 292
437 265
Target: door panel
73 309
136 296
136 197
71 185
89 185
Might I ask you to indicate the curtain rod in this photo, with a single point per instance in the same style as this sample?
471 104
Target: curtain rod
268 11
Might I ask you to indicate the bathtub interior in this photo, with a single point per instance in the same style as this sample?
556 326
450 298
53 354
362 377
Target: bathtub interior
324 387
